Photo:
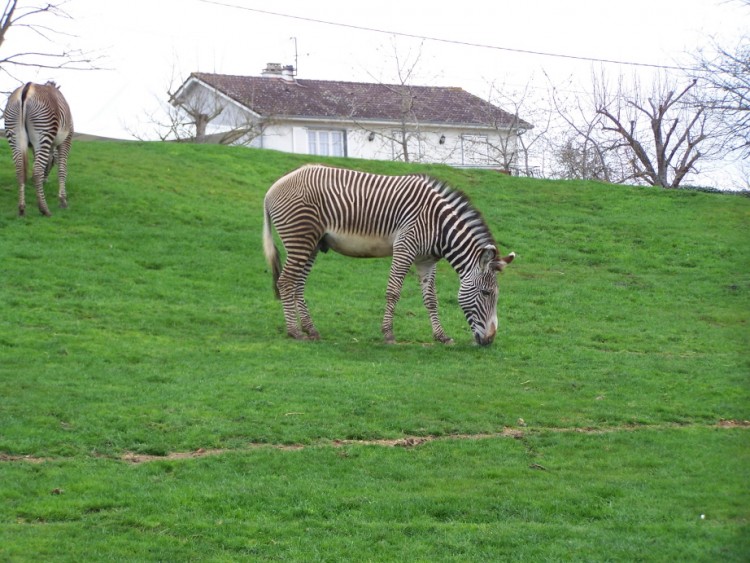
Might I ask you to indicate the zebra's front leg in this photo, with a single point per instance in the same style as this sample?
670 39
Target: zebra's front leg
426 271
391 298
399 269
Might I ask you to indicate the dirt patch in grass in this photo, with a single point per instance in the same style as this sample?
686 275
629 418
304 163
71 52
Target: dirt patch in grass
413 441
406 442
201 452
26 458
734 423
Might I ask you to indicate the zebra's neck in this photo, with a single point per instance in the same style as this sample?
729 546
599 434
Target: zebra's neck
463 259
463 233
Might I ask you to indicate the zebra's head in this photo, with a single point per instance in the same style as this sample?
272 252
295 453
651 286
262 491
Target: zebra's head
477 295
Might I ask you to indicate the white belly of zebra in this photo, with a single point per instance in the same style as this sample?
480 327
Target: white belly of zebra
360 246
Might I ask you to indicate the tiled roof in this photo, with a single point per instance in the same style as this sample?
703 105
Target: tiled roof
276 97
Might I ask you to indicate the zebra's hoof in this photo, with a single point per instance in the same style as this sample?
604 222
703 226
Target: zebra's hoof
444 339
63 203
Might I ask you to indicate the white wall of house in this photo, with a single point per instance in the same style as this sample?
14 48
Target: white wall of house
459 147
447 144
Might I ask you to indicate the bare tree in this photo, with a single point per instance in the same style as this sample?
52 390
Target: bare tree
166 123
726 75
503 149
665 133
409 123
196 111
40 22
186 117
518 143
579 149
407 138
578 158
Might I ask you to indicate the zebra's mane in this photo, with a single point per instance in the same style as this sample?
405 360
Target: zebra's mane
464 208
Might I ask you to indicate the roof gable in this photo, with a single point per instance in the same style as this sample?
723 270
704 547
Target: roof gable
277 97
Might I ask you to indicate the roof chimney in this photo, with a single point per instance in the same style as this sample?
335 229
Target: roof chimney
272 69
275 70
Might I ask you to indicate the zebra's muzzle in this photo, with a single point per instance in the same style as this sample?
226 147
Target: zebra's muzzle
488 336
484 340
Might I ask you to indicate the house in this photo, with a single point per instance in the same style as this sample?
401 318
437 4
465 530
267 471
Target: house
374 121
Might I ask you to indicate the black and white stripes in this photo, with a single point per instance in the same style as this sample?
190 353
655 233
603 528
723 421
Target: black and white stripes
416 219
38 116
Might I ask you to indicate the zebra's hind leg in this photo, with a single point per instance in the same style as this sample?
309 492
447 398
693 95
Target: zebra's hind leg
40 199
62 170
288 302
304 313
426 272
22 200
20 160
40 167
291 286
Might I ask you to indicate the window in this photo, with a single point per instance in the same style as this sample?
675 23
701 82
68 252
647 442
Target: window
476 149
325 143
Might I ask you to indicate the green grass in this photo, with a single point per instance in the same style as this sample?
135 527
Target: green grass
142 320
598 498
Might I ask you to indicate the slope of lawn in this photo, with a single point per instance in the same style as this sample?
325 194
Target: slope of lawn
607 417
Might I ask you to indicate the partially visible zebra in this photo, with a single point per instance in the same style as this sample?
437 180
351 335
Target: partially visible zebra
416 219
38 116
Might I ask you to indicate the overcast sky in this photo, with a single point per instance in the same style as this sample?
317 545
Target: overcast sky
144 43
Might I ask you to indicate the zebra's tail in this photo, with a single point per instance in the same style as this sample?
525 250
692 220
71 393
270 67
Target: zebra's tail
271 252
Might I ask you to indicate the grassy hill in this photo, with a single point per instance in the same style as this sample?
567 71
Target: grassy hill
151 406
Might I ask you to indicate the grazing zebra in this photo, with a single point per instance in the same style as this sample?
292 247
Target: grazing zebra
416 219
38 116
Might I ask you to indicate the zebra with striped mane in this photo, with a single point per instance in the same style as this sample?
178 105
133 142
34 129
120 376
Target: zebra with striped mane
416 219
38 116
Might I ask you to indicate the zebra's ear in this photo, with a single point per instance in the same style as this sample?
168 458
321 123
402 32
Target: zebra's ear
504 261
488 258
